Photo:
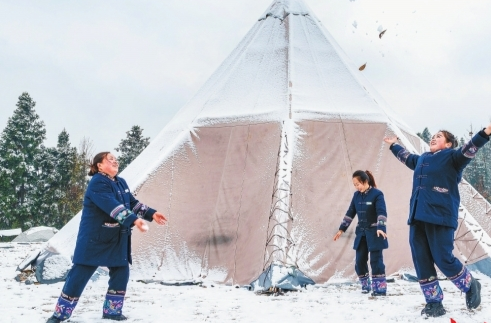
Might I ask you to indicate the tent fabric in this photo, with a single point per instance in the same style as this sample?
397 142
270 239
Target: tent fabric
36 234
278 276
219 205
255 170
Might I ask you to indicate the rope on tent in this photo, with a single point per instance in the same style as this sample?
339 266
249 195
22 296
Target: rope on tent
473 249
460 239
279 239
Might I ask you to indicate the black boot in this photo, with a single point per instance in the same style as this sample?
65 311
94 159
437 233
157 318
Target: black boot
53 320
473 296
379 294
433 310
114 317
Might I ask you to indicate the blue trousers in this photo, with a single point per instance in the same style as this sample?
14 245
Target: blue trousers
433 244
79 276
376 260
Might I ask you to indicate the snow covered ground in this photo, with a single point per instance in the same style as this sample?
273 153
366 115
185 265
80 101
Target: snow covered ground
332 302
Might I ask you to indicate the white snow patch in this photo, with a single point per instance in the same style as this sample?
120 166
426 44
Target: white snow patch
56 266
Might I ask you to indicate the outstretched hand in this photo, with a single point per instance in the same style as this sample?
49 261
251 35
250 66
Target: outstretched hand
390 140
381 233
159 218
336 237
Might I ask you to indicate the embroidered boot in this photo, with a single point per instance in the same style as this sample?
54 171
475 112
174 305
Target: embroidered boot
379 286
63 309
468 285
113 306
365 284
434 297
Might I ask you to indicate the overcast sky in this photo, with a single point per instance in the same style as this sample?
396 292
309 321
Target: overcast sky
96 68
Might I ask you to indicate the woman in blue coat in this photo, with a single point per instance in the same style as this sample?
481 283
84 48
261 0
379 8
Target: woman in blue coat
104 238
433 214
371 237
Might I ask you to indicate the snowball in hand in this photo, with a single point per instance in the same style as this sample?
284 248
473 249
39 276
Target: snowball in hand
145 227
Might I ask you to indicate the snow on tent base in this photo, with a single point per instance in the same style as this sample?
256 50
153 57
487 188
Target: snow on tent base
256 168
281 277
51 268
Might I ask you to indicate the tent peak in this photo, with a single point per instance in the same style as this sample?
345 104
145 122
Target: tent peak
280 9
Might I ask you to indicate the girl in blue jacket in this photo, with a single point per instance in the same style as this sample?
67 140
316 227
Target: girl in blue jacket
104 238
433 214
371 237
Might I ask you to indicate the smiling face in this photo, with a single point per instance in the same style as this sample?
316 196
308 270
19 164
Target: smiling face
360 187
109 165
439 142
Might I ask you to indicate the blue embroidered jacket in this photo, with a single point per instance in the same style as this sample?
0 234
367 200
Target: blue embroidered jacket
372 216
435 197
104 235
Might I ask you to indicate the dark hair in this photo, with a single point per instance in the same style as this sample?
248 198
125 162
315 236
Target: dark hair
449 137
365 176
97 159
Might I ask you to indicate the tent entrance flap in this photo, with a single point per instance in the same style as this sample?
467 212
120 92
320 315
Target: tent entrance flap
282 277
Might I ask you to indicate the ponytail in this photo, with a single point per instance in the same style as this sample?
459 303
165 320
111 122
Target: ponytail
371 179
365 176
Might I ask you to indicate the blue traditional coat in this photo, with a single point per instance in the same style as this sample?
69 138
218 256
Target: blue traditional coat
372 216
109 210
435 197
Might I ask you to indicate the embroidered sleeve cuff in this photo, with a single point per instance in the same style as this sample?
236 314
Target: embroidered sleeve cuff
382 222
346 223
143 211
123 216
149 214
402 155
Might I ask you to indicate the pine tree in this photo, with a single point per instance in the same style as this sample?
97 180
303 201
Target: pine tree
425 135
79 178
131 147
67 157
20 142
62 180
45 193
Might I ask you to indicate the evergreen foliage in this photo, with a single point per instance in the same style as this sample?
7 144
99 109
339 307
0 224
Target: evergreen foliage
131 146
425 135
20 143
62 180
79 178
39 185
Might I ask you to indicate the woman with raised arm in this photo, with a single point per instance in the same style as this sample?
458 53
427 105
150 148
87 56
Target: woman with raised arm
104 238
371 237
433 214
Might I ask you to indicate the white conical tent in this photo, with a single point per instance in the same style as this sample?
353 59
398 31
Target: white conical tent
257 167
